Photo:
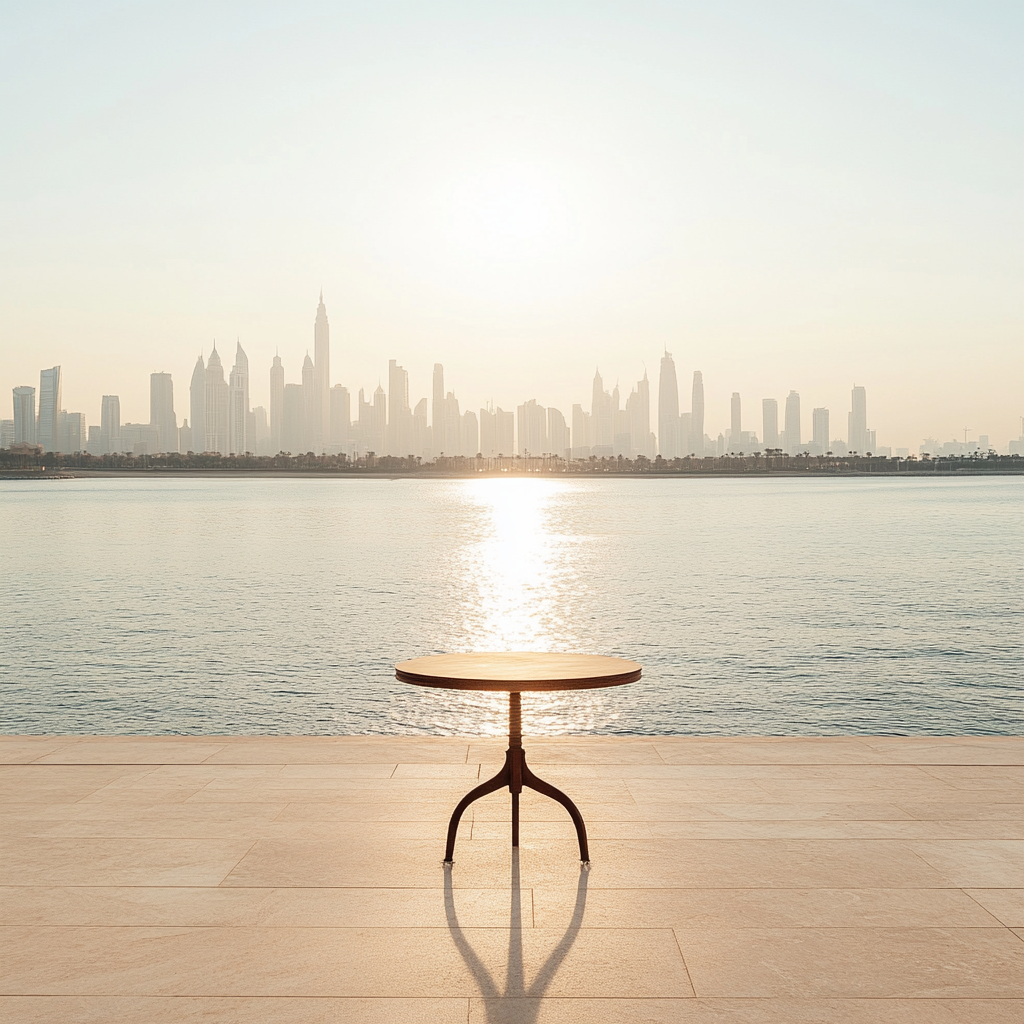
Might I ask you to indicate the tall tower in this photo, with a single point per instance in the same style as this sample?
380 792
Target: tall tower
770 422
602 417
697 416
736 424
791 436
668 408
311 407
161 411
858 420
819 429
197 406
437 412
399 432
216 409
110 424
276 405
238 403
24 415
49 409
321 411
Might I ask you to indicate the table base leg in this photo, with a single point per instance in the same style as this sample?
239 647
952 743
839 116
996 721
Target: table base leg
515 774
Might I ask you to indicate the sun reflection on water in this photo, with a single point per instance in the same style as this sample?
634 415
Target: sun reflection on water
518 579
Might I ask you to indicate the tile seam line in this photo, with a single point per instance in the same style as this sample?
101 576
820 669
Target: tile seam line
682 958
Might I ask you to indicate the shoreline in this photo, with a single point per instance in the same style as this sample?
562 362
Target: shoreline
374 474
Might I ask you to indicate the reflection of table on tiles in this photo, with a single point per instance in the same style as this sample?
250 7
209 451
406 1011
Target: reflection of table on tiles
516 673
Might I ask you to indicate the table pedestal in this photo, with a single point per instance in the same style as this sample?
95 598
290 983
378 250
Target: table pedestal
515 774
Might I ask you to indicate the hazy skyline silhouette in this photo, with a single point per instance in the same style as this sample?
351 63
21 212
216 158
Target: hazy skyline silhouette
786 197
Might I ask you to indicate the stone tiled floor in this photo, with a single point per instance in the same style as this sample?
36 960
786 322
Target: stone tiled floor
300 880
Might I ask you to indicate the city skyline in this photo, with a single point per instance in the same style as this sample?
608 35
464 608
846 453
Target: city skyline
315 416
785 198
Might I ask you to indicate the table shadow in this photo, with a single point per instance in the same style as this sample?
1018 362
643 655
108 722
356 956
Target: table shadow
515 981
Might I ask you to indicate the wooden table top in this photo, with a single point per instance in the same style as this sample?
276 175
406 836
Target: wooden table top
517 671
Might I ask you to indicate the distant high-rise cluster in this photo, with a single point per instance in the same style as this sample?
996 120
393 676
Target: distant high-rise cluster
313 416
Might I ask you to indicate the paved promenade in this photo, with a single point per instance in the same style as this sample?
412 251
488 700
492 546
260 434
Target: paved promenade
299 880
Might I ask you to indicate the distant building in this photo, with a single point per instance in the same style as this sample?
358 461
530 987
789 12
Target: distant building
184 437
858 421
437 411
24 415
216 406
341 417
161 411
139 439
602 420
293 420
6 433
321 401
197 406
735 442
238 404
581 433
533 428
820 431
791 437
770 422
276 405
470 434
696 439
638 413
559 440
110 424
398 439
257 432
310 406
421 443
73 434
49 409
668 408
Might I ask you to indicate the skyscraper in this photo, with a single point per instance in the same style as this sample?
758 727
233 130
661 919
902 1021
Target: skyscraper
49 409
533 428
558 434
321 412
276 405
437 411
399 432
819 430
770 422
215 412
470 434
238 404
602 419
197 406
736 424
341 416
293 420
858 420
638 412
379 421
791 437
311 406
110 424
668 408
24 415
161 411
696 445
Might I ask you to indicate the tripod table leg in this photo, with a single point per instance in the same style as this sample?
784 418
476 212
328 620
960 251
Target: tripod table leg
490 786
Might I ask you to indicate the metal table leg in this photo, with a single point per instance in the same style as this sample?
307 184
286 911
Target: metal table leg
515 774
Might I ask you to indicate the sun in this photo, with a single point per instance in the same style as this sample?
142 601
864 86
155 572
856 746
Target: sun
509 213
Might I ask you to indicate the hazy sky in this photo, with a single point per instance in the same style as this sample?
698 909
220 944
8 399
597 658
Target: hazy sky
786 195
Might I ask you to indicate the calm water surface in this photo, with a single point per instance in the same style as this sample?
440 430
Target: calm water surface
280 605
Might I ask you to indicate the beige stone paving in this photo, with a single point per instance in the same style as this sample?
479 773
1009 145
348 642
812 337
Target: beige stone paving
298 879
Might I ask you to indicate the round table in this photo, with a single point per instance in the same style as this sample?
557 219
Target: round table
517 673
